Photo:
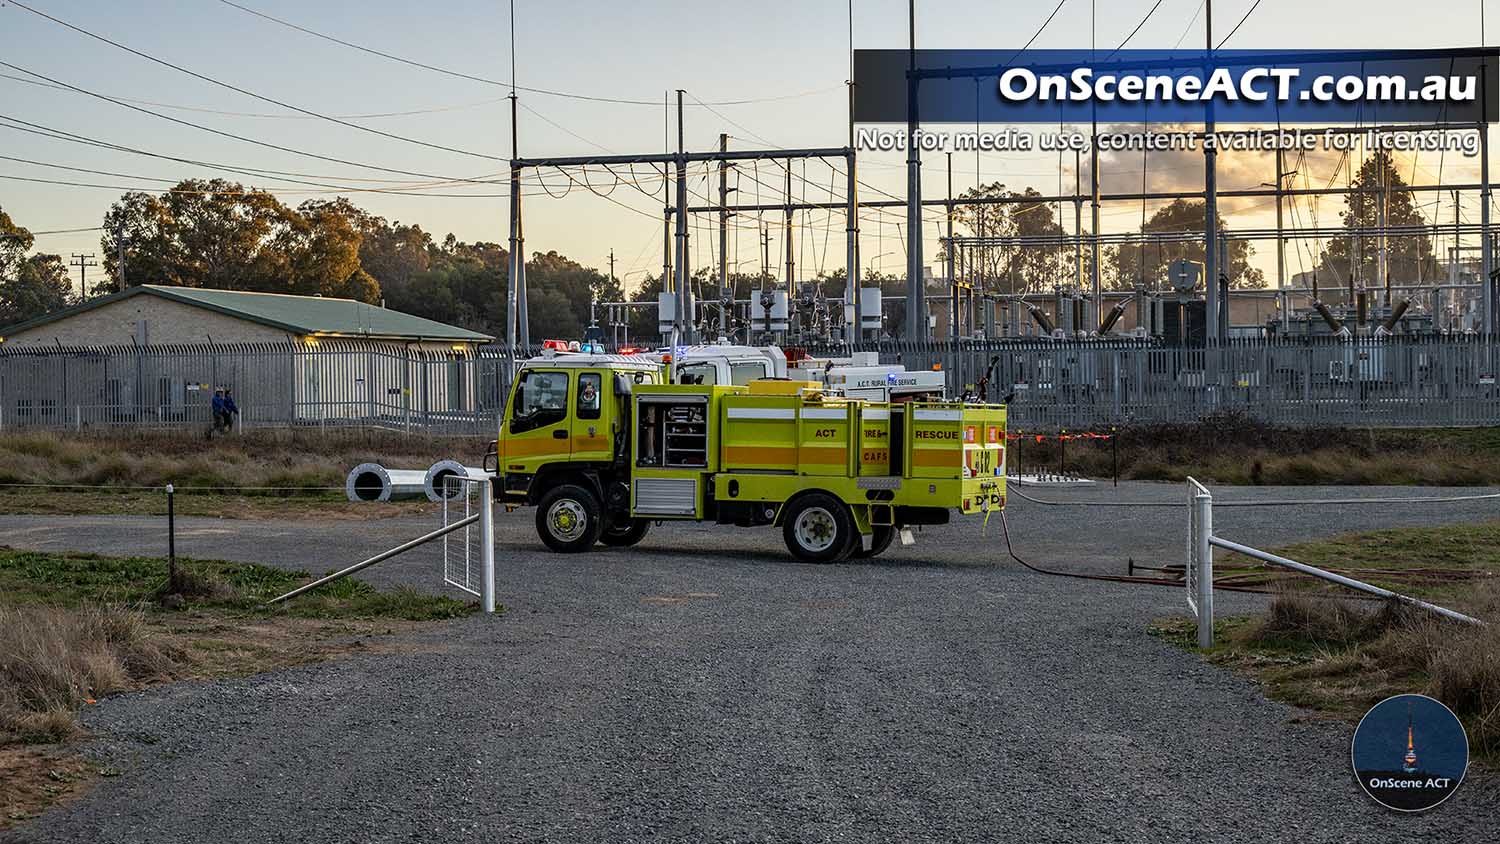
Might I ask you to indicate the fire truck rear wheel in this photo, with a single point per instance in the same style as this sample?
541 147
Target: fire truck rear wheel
881 540
625 532
569 519
818 528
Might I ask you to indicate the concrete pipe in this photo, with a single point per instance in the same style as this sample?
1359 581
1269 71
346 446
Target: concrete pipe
435 484
374 482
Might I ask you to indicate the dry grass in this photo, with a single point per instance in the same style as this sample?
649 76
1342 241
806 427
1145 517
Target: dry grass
1231 449
77 627
1315 649
53 660
291 460
1343 657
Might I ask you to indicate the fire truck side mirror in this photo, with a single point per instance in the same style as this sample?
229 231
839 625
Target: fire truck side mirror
622 384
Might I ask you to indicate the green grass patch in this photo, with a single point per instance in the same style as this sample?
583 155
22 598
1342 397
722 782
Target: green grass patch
75 580
1315 647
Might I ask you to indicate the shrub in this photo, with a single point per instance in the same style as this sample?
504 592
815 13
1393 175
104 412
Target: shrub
53 659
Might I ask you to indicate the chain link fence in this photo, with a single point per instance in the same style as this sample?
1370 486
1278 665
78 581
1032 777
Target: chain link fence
1398 381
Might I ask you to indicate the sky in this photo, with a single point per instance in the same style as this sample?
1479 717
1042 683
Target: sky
791 56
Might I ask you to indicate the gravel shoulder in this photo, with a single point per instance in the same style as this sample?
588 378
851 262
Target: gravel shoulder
704 687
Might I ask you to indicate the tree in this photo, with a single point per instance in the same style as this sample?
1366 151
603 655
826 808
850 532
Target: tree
1009 268
41 286
320 246
218 234
1409 258
30 285
1134 265
15 242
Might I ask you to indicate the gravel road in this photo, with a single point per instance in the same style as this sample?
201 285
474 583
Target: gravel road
704 687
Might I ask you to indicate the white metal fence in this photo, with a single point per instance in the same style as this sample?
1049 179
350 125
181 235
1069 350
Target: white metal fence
334 384
1416 381
1198 569
468 554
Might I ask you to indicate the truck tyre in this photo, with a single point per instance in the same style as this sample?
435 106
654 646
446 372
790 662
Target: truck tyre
881 540
569 519
625 532
818 528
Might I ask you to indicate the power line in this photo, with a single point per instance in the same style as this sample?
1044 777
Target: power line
1134 31
329 188
222 84
399 187
1237 26
1189 28
69 231
232 135
1039 30
269 116
498 82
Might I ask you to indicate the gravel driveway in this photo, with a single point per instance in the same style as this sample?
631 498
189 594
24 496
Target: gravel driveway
704 687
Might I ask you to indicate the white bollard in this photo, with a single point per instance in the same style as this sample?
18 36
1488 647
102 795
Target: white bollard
487 537
1204 503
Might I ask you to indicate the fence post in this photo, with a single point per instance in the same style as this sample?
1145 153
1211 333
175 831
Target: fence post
173 581
1203 502
487 539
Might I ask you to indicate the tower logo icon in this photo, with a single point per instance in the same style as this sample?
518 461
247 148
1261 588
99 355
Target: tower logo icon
1386 759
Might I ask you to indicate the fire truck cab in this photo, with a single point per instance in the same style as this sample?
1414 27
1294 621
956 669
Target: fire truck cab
603 447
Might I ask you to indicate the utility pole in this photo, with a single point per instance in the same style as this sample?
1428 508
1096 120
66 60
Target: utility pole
791 265
120 255
765 254
1210 196
1453 256
952 275
684 324
1280 240
916 291
612 331
517 327
83 262
725 299
853 318
1077 224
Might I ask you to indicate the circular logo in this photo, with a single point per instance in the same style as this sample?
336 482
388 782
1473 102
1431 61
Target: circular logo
1410 753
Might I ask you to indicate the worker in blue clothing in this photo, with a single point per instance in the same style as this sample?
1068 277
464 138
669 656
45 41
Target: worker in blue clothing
224 410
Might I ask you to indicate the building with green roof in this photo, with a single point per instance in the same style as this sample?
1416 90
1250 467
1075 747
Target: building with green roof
152 314
155 355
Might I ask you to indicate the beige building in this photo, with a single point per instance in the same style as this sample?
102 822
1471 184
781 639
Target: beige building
156 354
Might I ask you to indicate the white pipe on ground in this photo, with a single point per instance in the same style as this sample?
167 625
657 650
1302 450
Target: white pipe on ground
435 483
374 482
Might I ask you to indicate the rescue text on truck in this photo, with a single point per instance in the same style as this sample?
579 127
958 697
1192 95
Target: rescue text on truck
602 447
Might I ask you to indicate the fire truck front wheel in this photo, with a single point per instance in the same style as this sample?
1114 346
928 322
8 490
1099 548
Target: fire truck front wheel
818 528
569 519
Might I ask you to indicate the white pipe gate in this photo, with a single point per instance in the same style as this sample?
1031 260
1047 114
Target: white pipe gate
481 513
1198 572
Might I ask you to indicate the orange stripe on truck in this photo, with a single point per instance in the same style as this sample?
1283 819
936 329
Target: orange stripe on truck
759 455
953 457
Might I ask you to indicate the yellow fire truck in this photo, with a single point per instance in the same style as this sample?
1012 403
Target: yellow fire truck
602 446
